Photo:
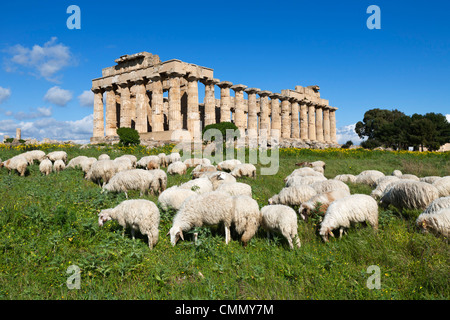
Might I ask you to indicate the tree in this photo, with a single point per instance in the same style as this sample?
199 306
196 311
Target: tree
128 136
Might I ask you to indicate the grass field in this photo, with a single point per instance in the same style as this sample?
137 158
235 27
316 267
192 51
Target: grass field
50 223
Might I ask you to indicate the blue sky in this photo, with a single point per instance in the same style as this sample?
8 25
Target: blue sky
45 68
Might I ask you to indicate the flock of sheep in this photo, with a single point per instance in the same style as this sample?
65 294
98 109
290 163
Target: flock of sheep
214 196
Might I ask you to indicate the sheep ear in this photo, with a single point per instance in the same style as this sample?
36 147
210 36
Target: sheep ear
181 234
330 233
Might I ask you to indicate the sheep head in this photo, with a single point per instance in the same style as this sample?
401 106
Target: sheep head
325 234
104 216
175 234
304 211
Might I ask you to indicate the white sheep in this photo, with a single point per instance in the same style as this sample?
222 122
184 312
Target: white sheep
210 208
199 185
443 186
282 219
173 157
228 165
140 215
246 217
123 163
346 178
324 199
131 157
45 167
409 177
244 170
369 177
134 179
32 155
57 155
162 159
18 163
298 180
219 177
201 169
59 165
329 185
235 189
173 197
353 208
104 156
86 164
293 196
410 195
382 184
76 162
193 162
438 204
102 171
438 222
304 172
430 179
177 167
143 162
397 173
159 181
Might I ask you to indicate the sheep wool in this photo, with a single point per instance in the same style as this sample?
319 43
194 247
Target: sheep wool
382 184
173 197
134 179
246 217
76 162
18 163
103 156
173 157
199 185
304 172
210 208
293 196
298 180
282 219
329 185
235 189
140 215
244 170
324 199
438 222
102 171
144 161
409 177
201 169
410 195
438 204
369 177
162 159
57 155
59 165
219 177
32 155
443 186
45 167
228 165
353 208
177 167
86 164
131 157
346 178
430 179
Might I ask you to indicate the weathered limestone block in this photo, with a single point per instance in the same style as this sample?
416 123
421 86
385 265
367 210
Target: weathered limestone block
240 119
157 104
264 122
111 112
326 125
333 124
285 117
311 121
319 123
225 101
141 106
295 127
98 113
303 120
193 115
175 121
125 105
210 101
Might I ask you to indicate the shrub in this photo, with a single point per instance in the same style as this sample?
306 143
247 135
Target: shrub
347 144
128 136
222 127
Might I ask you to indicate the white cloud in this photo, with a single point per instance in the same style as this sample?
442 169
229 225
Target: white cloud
86 98
58 96
345 133
39 113
44 60
448 117
4 94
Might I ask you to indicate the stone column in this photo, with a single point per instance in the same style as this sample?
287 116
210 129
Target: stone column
239 119
264 122
141 107
319 123
252 128
125 105
98 113
295 127
326 125
111 112
175 121
304 120
210 101
18 134
311 121
275 131
193 114
333 124
225 101
157 104
285 117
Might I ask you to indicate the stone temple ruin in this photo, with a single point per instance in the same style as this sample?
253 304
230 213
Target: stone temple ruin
135 97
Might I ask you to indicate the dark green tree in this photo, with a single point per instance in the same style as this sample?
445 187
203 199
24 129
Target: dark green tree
128 136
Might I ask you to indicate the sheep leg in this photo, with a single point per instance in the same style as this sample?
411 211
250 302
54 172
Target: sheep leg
227 234
132 233
341 230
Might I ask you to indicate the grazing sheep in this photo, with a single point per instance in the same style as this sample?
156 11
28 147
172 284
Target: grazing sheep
59 165
244 170
282 219
173 157
346 178
313 164
342 212
45 167
409 177
140 215
382 184
228 165
132 158
177 167
293 196
430 179
246 217
102 171
410 195
87 164
324 199
193 162
32 155
298 180
103 156
201 169
397 173
199 185
369 177
438 222
18 163
210 208
438 204
152 165
173 197
304 172
235 189
76 162
144 161
134 179
162 160
123 163
219 177
57 155
329 185
159 182
443 186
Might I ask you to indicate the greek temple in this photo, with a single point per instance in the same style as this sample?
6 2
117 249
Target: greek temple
158 97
